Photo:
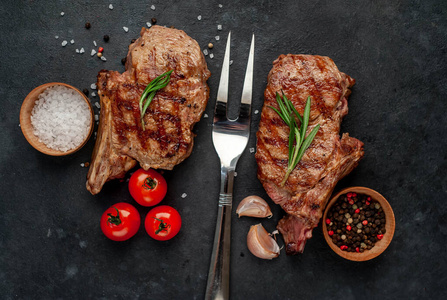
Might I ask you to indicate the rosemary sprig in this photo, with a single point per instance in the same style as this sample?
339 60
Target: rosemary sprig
150 90
298 142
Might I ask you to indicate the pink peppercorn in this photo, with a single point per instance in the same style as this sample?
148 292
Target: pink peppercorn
351 202
357 249
380 236
331 233
349 195
328 221
357 210
348 228
365 222
343 247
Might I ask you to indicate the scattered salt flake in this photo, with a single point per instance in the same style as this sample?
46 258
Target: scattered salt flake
56 36
94 95
205 116
93 52
184 195
199 17
103 58
72 41
252 150
217 37
219 27
97 105
62 13
110 6
77 50
231 62
153 7
126 29
82 164
96 117
211 55
82 50
205 52
148 24
64 43
93 86
256 112
220 5
235 174
94 43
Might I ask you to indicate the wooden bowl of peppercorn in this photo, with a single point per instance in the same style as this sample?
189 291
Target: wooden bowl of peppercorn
358 223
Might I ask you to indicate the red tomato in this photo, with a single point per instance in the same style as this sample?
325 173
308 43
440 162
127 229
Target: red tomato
120 221
163 222
148 188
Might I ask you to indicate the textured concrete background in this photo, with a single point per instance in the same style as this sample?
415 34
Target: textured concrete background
51 245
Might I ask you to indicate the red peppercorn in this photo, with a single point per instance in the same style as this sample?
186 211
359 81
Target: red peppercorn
343 247
100 49
369 198
349 195
348 228
328 221
357 249
380 236
368 203
354 195
365 222
357 210
331 233
351 202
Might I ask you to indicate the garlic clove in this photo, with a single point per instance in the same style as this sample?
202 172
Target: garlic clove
261 244
254 206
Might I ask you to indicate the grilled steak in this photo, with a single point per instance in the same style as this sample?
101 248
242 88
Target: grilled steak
167 138
326 161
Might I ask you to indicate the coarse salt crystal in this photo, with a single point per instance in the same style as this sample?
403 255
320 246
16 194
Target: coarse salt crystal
64 43
149 25
82 50
256 112
217 37
211 55
184 195
220 5
126 29
153 7
77 50
96 117
205 116
252 150
110 6
94 43
93 52
93 86
235 174
219 27
56 36
62 13
72 41
199 17
103 58
205 52
97 104
93 94
231 62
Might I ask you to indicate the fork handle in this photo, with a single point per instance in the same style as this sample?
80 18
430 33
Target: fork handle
218 285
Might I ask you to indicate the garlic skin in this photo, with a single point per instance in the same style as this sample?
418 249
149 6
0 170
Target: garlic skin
261 244
254 206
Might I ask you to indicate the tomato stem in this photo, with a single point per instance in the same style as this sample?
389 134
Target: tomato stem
149 183
114 219
163 226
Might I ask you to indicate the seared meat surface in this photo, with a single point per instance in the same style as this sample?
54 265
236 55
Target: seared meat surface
167 138
326 161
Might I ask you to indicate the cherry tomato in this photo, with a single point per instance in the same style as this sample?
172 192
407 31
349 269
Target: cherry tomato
163 222
120 222
148 188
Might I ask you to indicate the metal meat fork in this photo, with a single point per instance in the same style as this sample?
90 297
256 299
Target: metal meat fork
230 138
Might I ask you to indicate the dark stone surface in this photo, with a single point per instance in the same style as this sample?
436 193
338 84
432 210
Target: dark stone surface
51 245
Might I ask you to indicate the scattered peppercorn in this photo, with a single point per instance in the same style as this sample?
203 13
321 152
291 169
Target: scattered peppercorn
99 54
360 212
100 49
106 38
153 21
85 91
123 60
88 25
210 45
132 41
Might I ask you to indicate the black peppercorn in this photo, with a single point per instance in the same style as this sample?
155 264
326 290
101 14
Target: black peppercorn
106 38
88 25
85 91
153 21
123 60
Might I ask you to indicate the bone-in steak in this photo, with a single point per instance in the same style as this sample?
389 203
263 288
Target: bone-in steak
326 161
167 138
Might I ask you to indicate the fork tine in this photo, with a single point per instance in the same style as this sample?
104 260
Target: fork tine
248 82
222 93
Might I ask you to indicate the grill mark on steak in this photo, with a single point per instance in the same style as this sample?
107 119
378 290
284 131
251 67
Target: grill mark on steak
167 138
328 158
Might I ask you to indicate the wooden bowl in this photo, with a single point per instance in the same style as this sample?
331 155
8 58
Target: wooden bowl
380 245
27 127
